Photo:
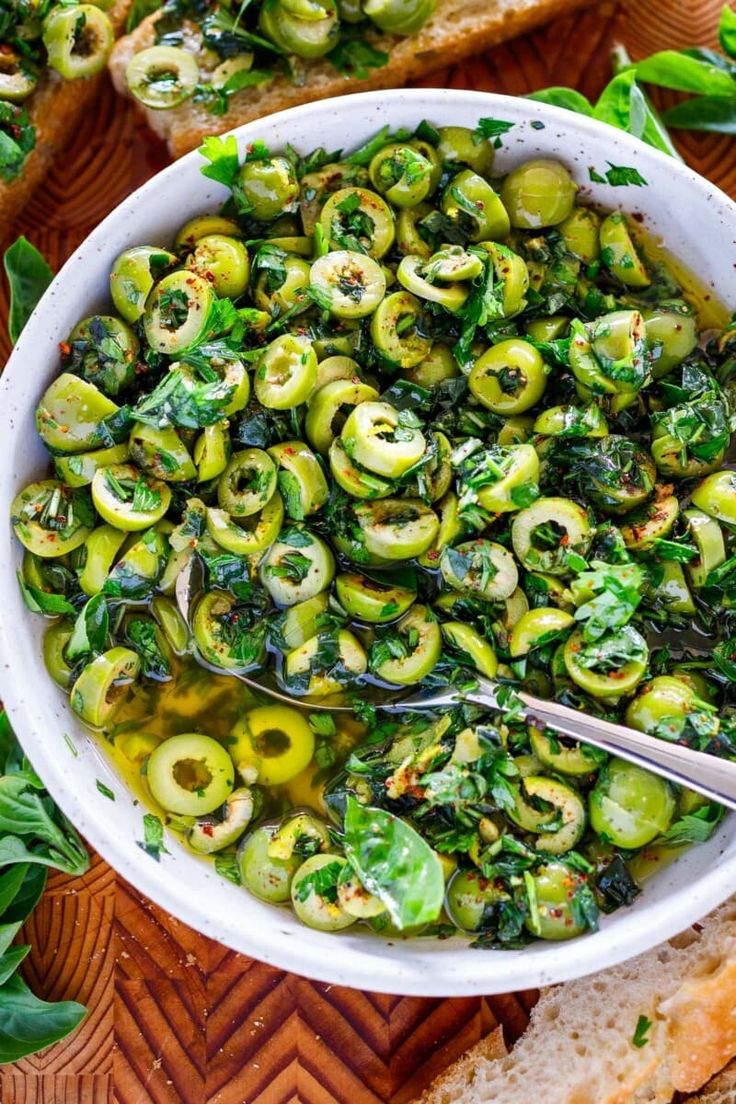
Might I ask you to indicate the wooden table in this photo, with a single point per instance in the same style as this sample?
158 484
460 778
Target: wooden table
175 1018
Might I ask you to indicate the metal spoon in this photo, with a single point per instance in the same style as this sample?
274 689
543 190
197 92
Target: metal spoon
713 777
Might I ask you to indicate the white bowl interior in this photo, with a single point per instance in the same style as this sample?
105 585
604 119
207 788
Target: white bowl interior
698 223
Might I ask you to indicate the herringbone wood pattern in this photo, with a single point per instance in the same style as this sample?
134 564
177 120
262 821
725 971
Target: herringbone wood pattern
174 1017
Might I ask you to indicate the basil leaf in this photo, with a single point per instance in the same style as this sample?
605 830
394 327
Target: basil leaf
90 629
684 73
727 30
568 98
712 113
394 863
40 601
28 277
28 1024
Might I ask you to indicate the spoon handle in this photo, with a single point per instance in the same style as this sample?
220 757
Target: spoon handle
709 775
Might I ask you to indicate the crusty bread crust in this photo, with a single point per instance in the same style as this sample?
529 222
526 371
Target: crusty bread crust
458 29
579 1046
54 109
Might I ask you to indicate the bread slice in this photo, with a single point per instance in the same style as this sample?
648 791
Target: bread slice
579 1047
721 1090
55 109
457 29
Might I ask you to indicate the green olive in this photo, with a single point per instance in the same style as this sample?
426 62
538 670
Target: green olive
178 312
101 548
662 708
223 632
202 226
55 640
555 885
512 274
299 565
286 373
161 453
78 40
231 67
190 774
354 898
470 899
247 484
581 234
496 474
569 809
471 201
293 626
538 193
396 528
438 365
509 378
276 295
376 437
301 479
672 590
212 833
309 669
103 352
572 421
644 527
619 254
408 236
620 475
401 17
629 806
480 567
470 643
133 275
542 534
357 481
308 38
371 601
395 330
716 496
103 685
608 355
672 334
269 187
327 404
69 414
253 535
266 878
601 669
223 262
315 908
129 499
461 146
50 519
275 741
297 831
335 367
172 624
137 572
401 173
577 761
358 220
162 77
18 76
211 452
707 535
79 470
536 627
412 274
350 284
419 633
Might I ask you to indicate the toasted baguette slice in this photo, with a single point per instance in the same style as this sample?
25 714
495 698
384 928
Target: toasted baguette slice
721 1090
457 29
55 110
579 1046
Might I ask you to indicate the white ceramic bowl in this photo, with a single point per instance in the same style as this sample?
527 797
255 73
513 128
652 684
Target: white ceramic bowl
697 221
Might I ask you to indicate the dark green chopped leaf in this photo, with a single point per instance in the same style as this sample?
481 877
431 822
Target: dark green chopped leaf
227 866
492 128
104 790
153 837
355 57
322 882
40 601
89 636
28 277
641 1033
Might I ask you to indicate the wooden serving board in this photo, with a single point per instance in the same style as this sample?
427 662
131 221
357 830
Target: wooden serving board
175 1018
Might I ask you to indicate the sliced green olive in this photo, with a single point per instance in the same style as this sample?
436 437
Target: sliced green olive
611 666
371 601
412 275
581 234
419 634
459 145
470 898
471 201
269 187
359 220
50 519
397 528
619 254
555 887
297 831
663 706
650 523
327 404
376 437
708 538
224 633
161 453
542 534
672 334
537 627
480 567
629 806
253 535
579 760
190 774
354 898
248 483
212 452
449 530
133 275
470 643
273 740
299 565
276 295
452 263
307 38
162 77
18 76
103 351
177 313
408 237
101 548
401 173
79 470
294 625
509 378
336 367
320 910
572 421
609 354
569 808
301 479
620 475
55 640
401 17
212 833
78 40
286 373
129 499
538 193
201 226
267 878
351 285
69 414
395 330
323 664
222 261
672 590
716 496
506 469
103 685
172 624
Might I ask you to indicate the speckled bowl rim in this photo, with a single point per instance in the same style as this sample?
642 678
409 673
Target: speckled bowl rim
702 221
